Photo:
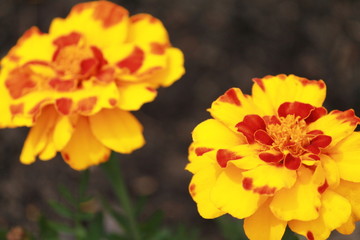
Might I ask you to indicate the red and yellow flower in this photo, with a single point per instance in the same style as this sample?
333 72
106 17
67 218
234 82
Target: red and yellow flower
278 158
76 84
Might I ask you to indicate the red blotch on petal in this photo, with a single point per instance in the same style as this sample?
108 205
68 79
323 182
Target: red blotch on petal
315 132
62 85
264 190
247 183
323 187
299 109
86 105
310 235
112 101
347 117
315 157
316 114
263 137
108 13
66 157
306 82
158 48
17 109
192 190
134 61
20 82
64 105
201 150
67 40
250 125
321 141
98 55
271 157
259 82
271 120
88 66
291 162
224 155
231 97
106 75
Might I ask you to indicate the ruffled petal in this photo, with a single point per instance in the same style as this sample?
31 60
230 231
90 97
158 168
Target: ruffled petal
200 187
302 201
39 139
350 191
268 179
228 193
346 155
336 124
263 225
133 96
118 130
270 92
102 22
334 212
84 150
232 107
331 169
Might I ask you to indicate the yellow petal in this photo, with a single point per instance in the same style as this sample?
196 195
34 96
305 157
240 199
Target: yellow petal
271 91
39 139
338 125
268 179
173 71
331 170
133 96
62 132
301 202
145 29
199 162
117 129
334 212
33 45
348 227
346 155
84 150
263 225
351 191
229 195
102 22
231 107
213 134
200 187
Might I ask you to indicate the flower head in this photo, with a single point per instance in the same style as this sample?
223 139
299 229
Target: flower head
75 85
278 158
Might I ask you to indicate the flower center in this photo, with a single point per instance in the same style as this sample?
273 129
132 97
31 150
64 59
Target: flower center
290 136
69 59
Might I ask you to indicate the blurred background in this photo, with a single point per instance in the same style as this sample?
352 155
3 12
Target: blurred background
226 44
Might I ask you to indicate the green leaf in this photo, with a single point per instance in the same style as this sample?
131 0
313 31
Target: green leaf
152 224
61 209
119 217
45 231
65 193
60 227
96 228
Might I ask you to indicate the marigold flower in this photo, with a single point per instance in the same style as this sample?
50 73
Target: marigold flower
76 84
278 158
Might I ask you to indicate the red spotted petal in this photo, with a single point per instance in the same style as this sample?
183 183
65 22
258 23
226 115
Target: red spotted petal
250 125
316 114
271 156
299 109
292 162
263 137
224 155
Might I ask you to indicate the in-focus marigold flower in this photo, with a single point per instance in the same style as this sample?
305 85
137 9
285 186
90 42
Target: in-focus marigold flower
76 84
278 158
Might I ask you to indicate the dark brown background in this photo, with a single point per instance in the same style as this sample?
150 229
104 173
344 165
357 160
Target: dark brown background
226 43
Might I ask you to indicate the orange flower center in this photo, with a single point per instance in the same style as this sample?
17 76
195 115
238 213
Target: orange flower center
290 135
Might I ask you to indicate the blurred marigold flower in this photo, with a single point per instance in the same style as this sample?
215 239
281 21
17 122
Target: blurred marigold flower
278 158
76 84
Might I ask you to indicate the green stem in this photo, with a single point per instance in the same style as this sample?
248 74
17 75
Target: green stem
113 172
